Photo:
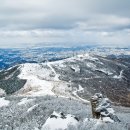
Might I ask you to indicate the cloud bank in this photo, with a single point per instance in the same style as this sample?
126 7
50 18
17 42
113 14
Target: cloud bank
73 22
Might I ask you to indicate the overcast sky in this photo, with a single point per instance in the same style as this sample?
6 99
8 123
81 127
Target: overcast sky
64 22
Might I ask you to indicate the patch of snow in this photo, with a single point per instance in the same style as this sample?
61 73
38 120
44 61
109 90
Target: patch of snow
56 78
25 101
11 75
34 69
120 76
37 87
2 92
75 68
76 95
108 119
94 122
93 58
105 71
80 88
104 104
32 108
91 65
56 121
87 56
4 102
35 128
62 88
98 122
38 79
110 110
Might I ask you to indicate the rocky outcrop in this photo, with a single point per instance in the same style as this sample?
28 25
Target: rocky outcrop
101 108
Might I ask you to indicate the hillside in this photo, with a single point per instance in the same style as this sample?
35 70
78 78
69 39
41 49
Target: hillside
77 77
36 96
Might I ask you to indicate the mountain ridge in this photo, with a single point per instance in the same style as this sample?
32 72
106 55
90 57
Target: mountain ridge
86 72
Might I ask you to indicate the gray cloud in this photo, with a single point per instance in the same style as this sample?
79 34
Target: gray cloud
64 20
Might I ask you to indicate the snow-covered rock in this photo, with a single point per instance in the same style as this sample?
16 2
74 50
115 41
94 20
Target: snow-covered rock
102 107
4 102
59 121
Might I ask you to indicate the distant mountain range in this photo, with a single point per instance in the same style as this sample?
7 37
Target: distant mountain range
11 57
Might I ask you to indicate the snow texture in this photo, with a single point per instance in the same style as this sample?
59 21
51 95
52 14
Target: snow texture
2 92
59 121
25 101
32 108
4 102
120 76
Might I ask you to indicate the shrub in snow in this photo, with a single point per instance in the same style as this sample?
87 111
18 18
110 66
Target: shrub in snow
95 124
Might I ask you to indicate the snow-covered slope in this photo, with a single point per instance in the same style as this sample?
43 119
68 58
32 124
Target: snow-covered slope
42 79
36 92
67 77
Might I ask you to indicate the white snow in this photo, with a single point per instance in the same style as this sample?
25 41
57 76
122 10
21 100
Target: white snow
4 102
36 70
108 119
91 65
56 78
25 101
104 70
40 83
94 67
2 92
32 108
86 56
92 123
81 89
120 76
35 128
59 123
38 79
37 87
75 68
110 110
